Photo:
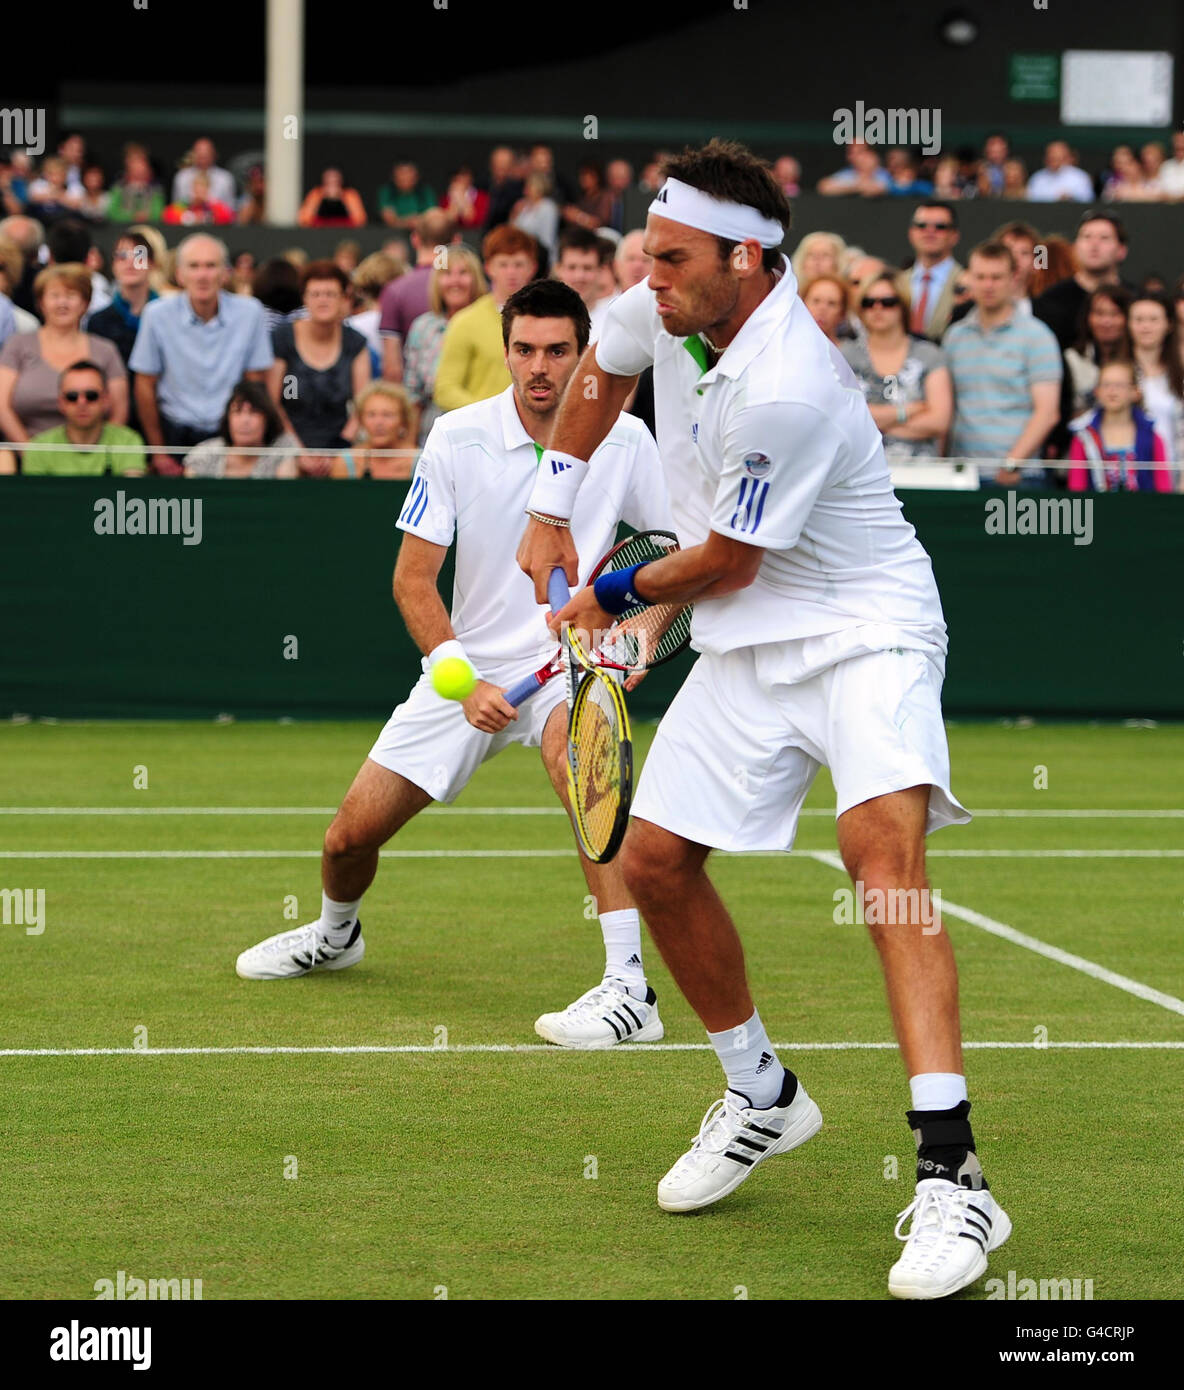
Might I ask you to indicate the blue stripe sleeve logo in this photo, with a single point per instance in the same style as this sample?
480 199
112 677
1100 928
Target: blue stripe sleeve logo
417 501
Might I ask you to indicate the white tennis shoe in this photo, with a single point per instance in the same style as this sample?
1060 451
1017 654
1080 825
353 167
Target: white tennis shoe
299 952
953 1229
731 1141
603 1017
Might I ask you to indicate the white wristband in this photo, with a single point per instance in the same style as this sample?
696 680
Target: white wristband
446 649
556 484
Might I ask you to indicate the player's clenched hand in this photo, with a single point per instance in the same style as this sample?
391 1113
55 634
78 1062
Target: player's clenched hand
634 680
486 708
545 548
586 616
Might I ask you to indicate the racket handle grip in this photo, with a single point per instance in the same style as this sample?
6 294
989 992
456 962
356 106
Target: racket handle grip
520 692
557 591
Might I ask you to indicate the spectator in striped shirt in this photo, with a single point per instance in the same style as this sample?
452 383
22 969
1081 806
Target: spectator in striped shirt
1007 373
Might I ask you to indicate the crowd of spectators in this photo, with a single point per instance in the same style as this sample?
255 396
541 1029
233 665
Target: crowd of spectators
1032 352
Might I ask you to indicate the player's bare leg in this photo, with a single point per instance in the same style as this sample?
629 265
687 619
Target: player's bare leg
765 1110
378 804
882 843
690 925
622 1008
955 1220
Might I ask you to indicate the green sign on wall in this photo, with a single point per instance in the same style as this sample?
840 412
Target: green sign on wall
1034 77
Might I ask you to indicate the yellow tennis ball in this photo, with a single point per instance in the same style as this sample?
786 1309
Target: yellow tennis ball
453 678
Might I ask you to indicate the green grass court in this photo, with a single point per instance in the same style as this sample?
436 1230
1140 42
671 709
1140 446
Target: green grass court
465 1169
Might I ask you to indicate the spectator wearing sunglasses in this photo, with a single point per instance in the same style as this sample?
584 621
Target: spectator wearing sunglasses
86 444
933 234
904 379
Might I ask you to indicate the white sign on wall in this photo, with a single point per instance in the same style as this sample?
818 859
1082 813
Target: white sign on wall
1115 88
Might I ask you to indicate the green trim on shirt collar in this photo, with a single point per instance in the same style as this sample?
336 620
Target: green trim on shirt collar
698 350
538 454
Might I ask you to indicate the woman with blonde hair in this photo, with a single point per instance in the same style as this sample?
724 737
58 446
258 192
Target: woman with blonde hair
369 280
31 364
452 287
818 253
904 379
386 420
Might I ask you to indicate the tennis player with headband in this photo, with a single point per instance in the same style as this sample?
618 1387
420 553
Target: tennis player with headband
821 641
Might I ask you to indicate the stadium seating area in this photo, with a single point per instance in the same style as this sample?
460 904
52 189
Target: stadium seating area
1034 352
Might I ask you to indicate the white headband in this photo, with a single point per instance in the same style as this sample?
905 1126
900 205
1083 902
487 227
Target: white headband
735 221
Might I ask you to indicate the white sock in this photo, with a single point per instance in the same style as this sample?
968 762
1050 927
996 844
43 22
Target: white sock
937 1090
622 950
337 919
749 1062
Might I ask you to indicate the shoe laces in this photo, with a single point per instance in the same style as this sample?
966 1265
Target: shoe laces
718 1128
596 1002
937 1212
306 938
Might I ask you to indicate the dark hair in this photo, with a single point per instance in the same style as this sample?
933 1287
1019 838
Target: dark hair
324 270
84 364
1101 215
547 299
68 240
727 170
277 285
576 238
254 394
138 239
1169 356
994 251
940 206
1085 343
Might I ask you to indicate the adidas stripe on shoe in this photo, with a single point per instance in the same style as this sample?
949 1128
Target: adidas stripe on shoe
290 954
603 1017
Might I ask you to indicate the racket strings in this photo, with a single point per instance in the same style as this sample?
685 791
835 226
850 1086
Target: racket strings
597 766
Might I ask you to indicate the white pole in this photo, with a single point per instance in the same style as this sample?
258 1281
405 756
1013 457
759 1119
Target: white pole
285 109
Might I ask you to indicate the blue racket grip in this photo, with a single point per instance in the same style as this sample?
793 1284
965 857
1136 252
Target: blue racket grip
557 591
557 595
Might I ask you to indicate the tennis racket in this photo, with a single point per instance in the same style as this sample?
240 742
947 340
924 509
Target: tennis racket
644 636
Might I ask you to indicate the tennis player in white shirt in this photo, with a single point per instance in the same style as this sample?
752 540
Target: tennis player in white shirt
822 642
471 484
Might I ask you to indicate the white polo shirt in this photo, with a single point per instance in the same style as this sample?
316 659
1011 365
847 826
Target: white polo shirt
473 482
774 446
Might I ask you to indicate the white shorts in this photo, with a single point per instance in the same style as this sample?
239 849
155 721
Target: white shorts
735 754
429 741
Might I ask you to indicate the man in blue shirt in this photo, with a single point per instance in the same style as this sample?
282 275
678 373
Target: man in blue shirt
119 322
194 348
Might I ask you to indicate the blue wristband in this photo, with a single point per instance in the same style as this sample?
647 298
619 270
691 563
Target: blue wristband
615 591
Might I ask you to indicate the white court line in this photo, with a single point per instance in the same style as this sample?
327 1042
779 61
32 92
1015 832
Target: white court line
546 1047
1042 948
565 854
1167 814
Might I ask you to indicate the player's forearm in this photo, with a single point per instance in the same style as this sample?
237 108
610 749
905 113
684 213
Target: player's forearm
423 611
591 404
589 408
714 569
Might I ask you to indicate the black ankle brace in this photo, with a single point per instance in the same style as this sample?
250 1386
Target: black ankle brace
945 1146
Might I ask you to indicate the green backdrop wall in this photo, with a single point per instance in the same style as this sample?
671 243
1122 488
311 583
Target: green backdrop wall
109 626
